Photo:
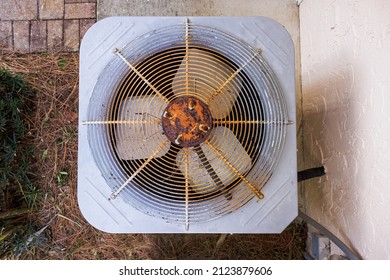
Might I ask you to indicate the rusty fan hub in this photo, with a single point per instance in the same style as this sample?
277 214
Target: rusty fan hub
187 121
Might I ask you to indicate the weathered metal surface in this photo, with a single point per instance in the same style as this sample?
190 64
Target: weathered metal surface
187 121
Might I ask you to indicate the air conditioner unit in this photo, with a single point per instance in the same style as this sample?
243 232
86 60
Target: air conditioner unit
187 125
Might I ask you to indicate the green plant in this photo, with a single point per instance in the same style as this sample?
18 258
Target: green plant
67 136
61 178
62 63
18 195
14 156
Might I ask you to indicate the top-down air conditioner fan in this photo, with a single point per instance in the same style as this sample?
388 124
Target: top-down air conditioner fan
187 124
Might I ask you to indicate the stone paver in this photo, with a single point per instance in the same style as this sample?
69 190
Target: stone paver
55 35
21 36
51 9
85 24
80 10
18 9
80 1
71 34
38 36
44 25
6 35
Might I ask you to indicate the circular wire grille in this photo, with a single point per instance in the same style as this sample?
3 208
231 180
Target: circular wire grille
187 184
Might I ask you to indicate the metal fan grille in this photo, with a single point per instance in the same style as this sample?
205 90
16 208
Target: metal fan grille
166 180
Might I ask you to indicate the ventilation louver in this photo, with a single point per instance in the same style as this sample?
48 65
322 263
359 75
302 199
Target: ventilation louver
183 125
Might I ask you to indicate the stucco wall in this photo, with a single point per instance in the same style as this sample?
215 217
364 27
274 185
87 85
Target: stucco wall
345 52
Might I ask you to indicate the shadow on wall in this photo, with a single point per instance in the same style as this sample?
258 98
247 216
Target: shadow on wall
331 115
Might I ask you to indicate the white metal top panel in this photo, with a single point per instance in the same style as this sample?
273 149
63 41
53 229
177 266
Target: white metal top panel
270 215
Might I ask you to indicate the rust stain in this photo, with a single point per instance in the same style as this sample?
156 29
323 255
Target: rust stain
187 121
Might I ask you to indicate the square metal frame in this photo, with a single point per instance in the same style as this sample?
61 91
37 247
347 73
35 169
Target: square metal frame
270 215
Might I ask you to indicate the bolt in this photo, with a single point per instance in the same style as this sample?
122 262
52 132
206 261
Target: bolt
204 127
168 115
178 138
191 104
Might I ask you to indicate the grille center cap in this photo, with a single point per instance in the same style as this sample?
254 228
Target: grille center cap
187 121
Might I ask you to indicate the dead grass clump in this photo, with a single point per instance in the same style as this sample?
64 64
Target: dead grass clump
54 77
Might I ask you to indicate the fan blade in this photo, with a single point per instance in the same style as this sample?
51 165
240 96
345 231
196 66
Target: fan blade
207 75
142 136
206 164
225 141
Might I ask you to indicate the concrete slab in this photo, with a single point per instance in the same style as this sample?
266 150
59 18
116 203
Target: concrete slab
283 11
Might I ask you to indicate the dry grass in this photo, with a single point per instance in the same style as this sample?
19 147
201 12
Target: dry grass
54 77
